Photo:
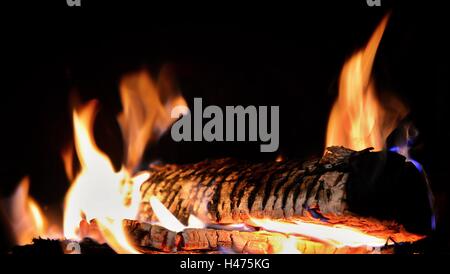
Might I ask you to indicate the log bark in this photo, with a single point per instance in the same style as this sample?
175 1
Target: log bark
342 181
230 191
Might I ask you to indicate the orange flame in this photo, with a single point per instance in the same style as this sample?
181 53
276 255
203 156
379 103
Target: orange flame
336 235
146 111
67 157
358 120
25 215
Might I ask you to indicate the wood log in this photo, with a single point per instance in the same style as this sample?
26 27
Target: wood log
343 181
230 191
154 239
150 237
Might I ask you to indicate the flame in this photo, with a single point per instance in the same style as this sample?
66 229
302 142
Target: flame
358 120
404 143
336 235
98 191
67 157
194 222
165 217
288 246
168 220
146 111
24 214
294 234
38 217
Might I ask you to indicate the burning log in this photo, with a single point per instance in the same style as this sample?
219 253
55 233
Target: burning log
155 239
342 182
150 237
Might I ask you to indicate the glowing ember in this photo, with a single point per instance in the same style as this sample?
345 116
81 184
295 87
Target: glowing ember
298 236
289 246
279 159
358 120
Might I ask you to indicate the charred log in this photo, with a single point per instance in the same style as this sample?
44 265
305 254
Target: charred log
342 181
153 237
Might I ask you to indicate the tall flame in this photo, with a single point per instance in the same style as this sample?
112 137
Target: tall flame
98 191
358 120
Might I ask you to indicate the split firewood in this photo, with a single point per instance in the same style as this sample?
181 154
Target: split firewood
149 237
343 181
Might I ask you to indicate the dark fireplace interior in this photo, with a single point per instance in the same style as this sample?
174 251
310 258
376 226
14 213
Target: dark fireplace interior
293 63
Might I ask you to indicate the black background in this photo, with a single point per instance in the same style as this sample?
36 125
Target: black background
228 54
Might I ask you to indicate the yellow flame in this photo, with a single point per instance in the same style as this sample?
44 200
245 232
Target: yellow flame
98 192
358 120
38 217
336 235
288 246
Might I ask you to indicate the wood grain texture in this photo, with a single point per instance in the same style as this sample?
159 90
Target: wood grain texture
230 191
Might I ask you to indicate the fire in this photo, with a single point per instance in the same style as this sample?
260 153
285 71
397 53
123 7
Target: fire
289 246
336 235
38 217
98 191
147 106
293 236
67 157
168 220
358 120
25 215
